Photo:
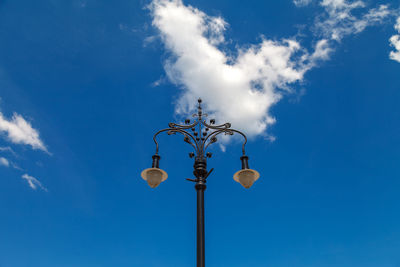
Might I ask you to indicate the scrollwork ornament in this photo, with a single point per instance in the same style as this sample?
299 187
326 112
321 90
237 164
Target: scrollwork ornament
208 132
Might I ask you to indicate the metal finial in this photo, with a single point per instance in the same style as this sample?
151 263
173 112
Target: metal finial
199 109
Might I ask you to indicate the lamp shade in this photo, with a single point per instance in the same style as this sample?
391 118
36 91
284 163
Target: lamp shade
246 177
154 176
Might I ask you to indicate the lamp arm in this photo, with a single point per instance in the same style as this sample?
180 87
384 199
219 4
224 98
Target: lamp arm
177 130
226 131
244 142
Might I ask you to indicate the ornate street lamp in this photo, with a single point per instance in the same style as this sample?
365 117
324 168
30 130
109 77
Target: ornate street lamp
200 135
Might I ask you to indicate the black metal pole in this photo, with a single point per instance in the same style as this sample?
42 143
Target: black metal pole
200 187
199 134
200 171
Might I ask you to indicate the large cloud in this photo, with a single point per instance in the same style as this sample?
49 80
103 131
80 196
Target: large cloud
19 131
242 89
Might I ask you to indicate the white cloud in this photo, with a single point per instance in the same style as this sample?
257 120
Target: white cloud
322 51
238 89
159 82
395 42
4 162
339 20
302 2
19 131
33 182
148 40
242 89
397 26
373 17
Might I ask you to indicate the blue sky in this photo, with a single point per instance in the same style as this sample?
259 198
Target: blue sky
84 84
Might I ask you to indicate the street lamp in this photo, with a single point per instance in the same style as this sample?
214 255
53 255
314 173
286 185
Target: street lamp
200 135
154 175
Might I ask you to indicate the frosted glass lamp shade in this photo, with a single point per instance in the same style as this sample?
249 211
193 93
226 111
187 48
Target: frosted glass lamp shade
154 176
246 177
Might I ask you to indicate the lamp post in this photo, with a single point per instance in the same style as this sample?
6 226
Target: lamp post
200 135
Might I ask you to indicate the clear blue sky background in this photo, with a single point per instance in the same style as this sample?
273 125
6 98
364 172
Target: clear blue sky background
81 73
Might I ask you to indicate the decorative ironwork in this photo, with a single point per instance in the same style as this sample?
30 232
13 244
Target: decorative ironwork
200 134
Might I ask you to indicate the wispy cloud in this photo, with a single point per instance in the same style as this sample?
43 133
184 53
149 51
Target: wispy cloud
302 2
243 88
339 20
33 182
395 42
19 131
4 162
9 150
